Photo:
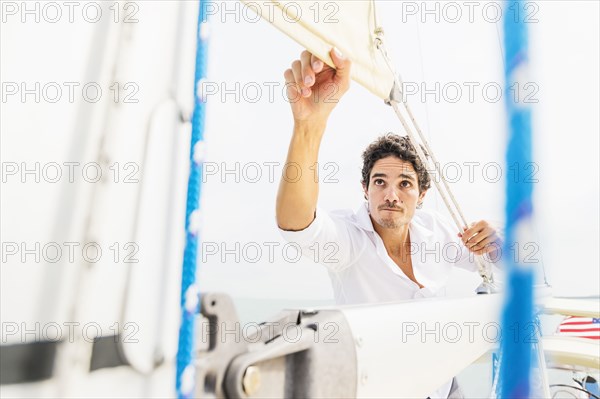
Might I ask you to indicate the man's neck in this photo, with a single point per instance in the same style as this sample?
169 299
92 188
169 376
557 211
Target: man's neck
396 241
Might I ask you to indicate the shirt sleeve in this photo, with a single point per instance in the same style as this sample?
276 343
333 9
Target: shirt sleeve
457 252
328 240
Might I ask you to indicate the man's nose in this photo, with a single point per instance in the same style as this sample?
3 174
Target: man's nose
391 196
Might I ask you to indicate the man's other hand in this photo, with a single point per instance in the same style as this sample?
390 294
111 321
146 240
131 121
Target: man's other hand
482 238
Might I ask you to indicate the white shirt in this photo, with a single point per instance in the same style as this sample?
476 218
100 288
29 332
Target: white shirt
360 269
359 266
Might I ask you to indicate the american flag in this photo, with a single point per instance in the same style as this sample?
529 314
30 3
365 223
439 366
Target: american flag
581 327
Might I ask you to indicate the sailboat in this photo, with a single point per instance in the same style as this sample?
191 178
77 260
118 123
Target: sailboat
294 353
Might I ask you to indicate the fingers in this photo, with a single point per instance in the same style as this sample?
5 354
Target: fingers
298 79
304 75
473 230
303 72
491 248
342 65
317 64
483 244
479 237
308 74
293 91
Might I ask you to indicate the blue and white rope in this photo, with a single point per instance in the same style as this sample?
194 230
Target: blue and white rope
517 318
190 293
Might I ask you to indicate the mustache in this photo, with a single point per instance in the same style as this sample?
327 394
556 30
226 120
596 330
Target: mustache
385 207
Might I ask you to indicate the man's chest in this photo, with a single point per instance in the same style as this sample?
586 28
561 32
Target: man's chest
404 263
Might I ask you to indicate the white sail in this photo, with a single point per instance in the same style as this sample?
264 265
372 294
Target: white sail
423 345
348 25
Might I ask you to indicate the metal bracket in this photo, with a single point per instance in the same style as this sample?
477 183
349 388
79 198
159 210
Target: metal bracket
294 354
395 94
219 311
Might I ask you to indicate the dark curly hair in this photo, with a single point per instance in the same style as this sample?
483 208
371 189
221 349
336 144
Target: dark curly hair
401 148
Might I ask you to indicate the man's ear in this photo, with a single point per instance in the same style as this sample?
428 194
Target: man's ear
364 186
422 195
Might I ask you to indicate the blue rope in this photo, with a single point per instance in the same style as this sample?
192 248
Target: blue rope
517 318
190 298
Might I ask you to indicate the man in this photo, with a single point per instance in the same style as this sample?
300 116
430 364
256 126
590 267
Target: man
380 251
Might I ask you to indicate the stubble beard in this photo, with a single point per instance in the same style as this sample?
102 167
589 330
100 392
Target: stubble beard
390 222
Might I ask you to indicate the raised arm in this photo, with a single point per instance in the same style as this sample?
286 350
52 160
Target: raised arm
313 90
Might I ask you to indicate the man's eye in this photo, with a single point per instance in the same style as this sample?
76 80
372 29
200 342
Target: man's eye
378 182
405 183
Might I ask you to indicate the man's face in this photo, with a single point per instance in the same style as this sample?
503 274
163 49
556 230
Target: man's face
393 192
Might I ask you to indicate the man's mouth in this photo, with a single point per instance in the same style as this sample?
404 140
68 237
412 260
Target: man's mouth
391 209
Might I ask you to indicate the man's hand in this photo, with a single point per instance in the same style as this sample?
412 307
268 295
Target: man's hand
314 88
481 238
